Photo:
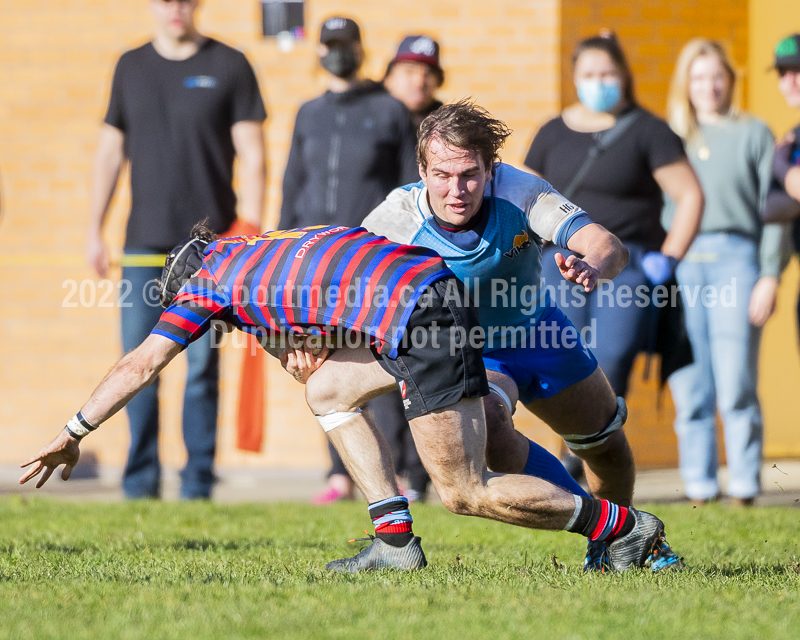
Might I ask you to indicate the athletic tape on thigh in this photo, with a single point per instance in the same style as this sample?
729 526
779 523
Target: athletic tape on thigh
499 392
579 441
333 419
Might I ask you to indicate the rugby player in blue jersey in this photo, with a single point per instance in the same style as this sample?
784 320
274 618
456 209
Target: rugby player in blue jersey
297 283
488 221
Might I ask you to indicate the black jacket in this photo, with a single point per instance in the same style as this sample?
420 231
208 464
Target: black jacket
349 150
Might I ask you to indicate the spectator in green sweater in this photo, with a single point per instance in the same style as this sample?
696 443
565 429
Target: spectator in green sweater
729 277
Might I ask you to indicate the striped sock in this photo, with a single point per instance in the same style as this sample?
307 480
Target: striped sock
392 521
600 519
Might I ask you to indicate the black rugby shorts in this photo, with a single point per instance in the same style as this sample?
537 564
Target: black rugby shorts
436 366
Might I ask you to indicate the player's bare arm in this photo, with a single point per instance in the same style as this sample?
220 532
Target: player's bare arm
130 375
604 256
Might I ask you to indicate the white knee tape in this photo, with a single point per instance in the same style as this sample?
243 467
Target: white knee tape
580 441
333 419
501 394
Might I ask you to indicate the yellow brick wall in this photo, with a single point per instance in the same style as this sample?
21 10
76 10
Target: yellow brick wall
652 33
56 61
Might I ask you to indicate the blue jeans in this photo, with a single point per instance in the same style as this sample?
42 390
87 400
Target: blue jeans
724 373
142 476
620 324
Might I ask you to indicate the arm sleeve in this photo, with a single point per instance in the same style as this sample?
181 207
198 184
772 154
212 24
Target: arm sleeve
115 114
552 217
189 316
293 179
247 101
773 244
774 251
762 145
395 218
662 145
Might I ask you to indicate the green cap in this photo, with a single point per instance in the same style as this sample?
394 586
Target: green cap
787 52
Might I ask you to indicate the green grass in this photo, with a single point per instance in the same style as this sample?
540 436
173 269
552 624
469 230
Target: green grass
197 571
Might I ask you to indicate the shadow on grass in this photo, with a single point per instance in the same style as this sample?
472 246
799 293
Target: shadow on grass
211 544
206 544
750 569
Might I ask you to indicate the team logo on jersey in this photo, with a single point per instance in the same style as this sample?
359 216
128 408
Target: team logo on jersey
200 82
402 385
521 242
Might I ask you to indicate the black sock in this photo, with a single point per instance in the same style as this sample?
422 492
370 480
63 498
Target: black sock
392 521
602 520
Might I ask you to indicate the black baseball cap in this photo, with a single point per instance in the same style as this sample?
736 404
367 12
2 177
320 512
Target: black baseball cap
339 29
787 52
418 49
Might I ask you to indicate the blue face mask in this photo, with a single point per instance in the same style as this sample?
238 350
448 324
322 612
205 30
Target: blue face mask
599 96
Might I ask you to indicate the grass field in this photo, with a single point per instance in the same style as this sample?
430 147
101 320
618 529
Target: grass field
197 571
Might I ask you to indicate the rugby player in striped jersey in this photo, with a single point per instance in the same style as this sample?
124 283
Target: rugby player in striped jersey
412 318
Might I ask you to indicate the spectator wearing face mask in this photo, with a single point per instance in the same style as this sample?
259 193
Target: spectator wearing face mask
350 147
414 75
616 161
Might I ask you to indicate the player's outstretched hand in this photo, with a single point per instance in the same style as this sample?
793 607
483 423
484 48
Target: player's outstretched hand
578 271
303 359
63 450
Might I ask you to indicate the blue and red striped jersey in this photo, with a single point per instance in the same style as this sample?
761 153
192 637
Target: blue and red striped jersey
305 281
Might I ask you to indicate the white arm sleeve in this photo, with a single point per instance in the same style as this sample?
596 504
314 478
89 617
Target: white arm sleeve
549 211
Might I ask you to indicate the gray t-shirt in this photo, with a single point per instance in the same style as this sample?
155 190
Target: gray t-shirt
733 161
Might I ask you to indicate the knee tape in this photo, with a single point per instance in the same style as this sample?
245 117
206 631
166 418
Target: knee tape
579 441
501 394
333 419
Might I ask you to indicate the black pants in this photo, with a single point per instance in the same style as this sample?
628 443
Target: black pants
387 413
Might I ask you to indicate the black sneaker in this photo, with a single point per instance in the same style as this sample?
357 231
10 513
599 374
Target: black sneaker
634 548
380 555
596 557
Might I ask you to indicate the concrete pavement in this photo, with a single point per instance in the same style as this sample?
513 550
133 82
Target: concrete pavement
780 479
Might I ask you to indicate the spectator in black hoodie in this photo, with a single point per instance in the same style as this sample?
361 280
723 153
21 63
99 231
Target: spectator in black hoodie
350 148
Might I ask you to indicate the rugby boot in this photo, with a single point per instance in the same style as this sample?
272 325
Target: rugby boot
662 558
634 548
596 557
380 555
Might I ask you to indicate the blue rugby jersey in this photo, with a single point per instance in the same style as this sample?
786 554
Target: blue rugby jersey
305 281
502 268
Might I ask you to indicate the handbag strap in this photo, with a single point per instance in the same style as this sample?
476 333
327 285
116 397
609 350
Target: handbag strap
602 141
